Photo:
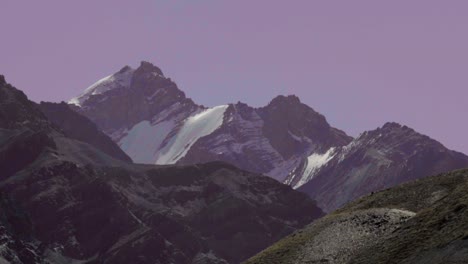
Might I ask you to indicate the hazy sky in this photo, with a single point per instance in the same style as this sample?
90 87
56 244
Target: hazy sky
360 63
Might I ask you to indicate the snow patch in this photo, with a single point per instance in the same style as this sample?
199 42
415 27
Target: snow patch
143 141
194 128
117 80
314 163
402 213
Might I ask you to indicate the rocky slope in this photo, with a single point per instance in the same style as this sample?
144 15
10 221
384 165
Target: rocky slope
65 201
374 161
154 123
423 221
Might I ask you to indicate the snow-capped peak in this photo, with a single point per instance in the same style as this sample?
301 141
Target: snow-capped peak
120 79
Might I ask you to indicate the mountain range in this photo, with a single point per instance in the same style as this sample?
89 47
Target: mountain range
153 122
133 171
68 194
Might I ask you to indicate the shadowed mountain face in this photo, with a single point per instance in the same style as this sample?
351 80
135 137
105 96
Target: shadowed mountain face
377 160
423 221
16 112
154 123
65 201
81 128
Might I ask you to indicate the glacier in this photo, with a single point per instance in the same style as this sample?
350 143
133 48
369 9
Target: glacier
314 163
194 128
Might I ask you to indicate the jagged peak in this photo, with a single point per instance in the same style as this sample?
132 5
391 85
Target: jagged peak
389 128
149 67
239 107
282 99
2 80
395 131
394 126
386 128
20 111
391 125
241 104
291 103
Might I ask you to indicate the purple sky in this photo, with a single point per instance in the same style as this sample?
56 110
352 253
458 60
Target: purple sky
360 63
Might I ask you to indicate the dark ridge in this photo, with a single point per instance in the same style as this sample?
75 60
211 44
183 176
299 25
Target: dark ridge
79 127
16 111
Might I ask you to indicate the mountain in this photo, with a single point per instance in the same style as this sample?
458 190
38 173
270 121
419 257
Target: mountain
423 221
63 200
154 123
78 127
376 160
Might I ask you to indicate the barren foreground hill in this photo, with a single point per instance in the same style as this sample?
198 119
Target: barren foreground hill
424 221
